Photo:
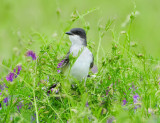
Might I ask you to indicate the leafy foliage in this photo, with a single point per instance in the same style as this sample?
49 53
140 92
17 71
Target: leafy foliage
124 75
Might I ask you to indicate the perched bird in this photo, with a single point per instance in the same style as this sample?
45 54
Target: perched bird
84 57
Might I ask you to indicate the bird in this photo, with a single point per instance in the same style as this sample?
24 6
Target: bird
84 57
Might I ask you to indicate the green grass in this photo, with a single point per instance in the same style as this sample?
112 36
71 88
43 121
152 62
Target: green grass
124 69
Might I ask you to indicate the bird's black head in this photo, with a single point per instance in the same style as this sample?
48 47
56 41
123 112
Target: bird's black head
77 32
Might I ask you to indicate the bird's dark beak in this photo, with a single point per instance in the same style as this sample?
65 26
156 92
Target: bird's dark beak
69 33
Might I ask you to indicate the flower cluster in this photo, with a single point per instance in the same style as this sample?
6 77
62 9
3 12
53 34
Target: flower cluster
10 77
31 54
87 105
135 98
124 101
19 106
60 65
5 100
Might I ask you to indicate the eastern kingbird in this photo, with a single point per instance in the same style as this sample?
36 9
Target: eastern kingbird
84 57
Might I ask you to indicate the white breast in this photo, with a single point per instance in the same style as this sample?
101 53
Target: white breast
81 66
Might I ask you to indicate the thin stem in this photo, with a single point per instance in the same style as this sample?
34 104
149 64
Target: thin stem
35 104
99 44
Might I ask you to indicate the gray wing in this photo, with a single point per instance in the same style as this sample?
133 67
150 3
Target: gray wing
65 63
92 63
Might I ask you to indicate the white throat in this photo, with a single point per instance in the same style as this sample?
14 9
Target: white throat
76 40
77 44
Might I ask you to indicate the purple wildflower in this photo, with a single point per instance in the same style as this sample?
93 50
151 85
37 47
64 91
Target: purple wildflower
5 100
110 120
11 118
57 90
33 118
135 98
31 54
137 106
52 89
2 87
150 111
58 71
87 104
124 102
60 65
10 77
19 106
94 69
19 68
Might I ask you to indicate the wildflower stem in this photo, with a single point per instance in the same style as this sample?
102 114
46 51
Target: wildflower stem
35 104
99 44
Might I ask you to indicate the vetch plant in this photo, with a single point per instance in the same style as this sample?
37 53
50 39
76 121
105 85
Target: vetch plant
12 75
125 88
31 54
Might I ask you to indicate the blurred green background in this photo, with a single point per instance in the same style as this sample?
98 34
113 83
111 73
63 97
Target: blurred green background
19 19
